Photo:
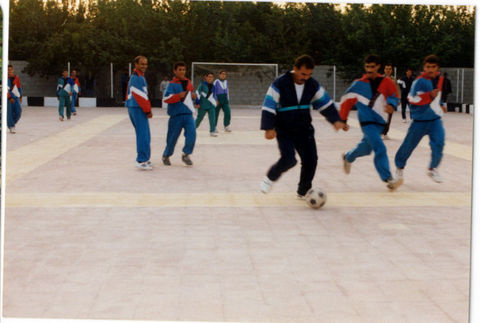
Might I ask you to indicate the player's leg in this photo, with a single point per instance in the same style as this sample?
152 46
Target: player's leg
61 106
363 148
190 134
387 127
372 134
226 115
437 142
307 150
415 133
404 109
212 119
142 132
68 106
173 132
287 158
217 111
10 113
74 99
200 115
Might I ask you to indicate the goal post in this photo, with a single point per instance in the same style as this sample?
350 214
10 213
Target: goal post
247 82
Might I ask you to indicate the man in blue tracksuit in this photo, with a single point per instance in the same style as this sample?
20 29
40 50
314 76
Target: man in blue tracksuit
180 98
75 86
286 116
375 96
14 99
140 110
426 111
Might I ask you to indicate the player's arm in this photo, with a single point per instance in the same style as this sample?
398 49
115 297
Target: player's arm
392 99
139 95
269 111
171 96
322 102
420 93
347 102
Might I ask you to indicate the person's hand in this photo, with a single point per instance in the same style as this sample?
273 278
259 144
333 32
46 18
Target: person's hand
197 106
182 94
270 134
388 109
444 108
21 99
149 114
337 125
12 100
194 96
434 93
69 93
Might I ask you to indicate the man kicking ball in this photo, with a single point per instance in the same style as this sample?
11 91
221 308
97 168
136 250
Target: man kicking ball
286 116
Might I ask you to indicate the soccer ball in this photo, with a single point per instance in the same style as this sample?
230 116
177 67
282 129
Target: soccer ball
315 198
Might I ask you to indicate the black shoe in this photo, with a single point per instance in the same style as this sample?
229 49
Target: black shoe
166 160
186 159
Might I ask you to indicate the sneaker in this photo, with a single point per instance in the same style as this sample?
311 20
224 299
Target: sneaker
385 137
186 159
228 129
12 129
74 113
68 118
213 134
404 120
266 185
394 183
346 165
60 118
143 166
166 160
435 175
149 163
300 197
216 130
399 173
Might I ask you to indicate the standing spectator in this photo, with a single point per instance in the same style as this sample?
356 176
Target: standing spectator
124 83
388 73
90 85
140 110
163 88
151 78
63 94
447 88
221 90
75 87
208 102
14 107
405 85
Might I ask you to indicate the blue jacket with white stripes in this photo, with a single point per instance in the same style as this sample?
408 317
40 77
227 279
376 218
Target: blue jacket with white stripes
282 111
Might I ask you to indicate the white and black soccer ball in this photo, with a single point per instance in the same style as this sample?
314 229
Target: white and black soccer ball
315 198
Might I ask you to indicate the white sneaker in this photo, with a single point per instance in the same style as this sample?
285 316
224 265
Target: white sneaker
12 129
385 137
399 173
143 166
435 175
266 185
394 183
300 197
404 120
216 130
213 134
346 165
228 129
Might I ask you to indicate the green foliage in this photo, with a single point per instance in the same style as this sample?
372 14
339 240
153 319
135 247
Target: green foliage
49 34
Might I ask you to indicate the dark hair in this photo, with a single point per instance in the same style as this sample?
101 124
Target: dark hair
409 69
432 59
372 58
222 71
305 60
10 65
138 58
208 73
177 64
389 64
72 71
65 70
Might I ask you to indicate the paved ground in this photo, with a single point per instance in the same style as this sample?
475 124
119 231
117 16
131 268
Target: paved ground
89 236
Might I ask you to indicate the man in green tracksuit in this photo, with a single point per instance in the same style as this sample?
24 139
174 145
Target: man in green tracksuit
63 93
221 91
208 102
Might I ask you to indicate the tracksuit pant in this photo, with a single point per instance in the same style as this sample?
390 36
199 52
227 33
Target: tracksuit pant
372 141
304 144
224 105
404 109
387 126
142 130
417 130
175 126
14 112
211 117
74 99
64 101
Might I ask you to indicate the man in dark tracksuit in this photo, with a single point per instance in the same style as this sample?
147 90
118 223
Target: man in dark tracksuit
286 116
405 85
